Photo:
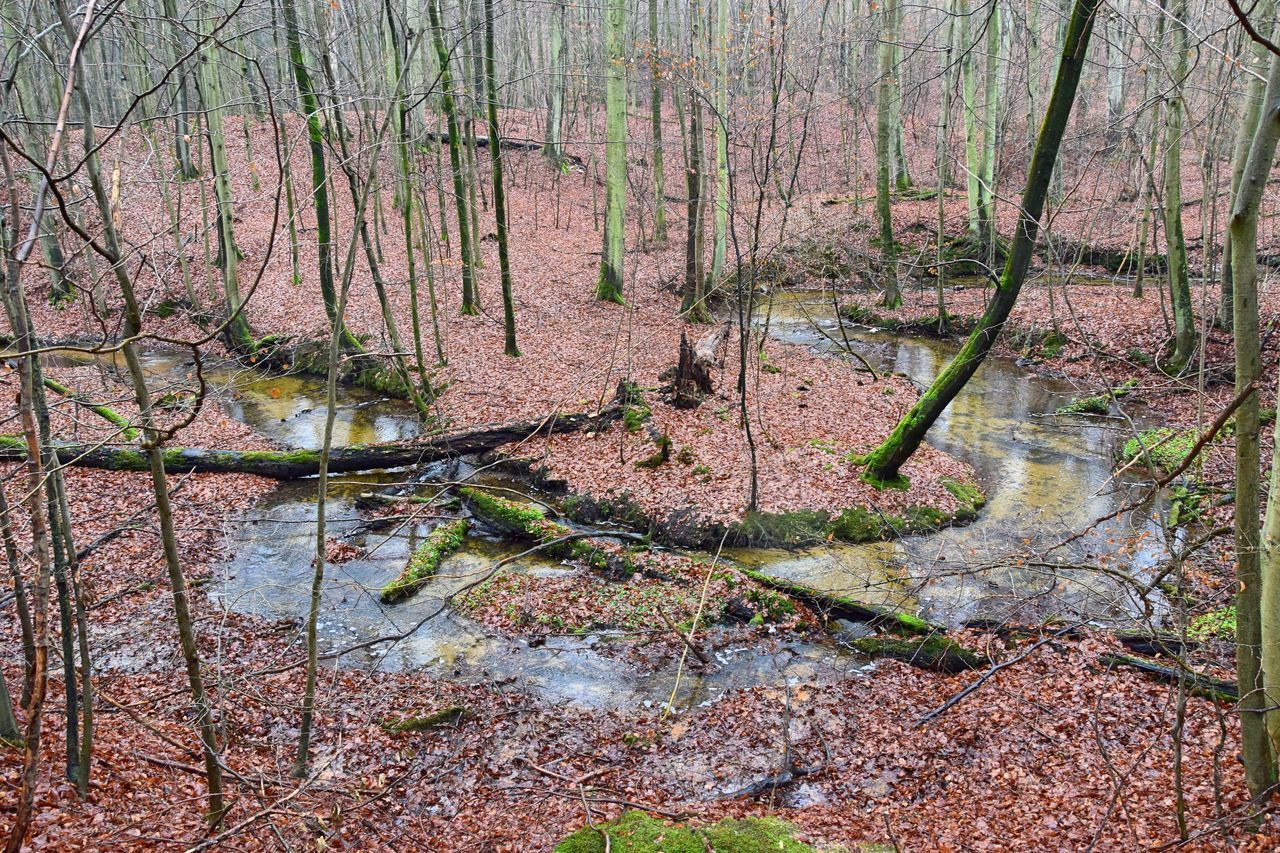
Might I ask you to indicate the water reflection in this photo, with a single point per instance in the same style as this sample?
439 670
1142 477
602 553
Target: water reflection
1045 477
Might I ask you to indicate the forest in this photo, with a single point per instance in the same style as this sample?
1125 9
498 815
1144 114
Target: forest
666 425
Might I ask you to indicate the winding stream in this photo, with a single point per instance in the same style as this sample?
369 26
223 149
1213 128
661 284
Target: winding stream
1044 475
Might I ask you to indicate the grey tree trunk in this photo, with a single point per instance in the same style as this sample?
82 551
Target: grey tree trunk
1257 563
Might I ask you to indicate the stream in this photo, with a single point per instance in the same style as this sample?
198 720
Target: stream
1044 475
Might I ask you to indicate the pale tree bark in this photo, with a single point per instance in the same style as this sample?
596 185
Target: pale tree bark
609 287
1257 569
964 45
884 154
499 193
552 147
720 227
655 121
1175 242
990 130
1256 69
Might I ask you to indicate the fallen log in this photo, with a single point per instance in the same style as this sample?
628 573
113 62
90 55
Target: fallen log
1216 689
295 464
842 607
936 653
510 144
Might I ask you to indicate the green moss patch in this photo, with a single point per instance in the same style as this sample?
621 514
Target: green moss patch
932 652
637 832
1166 447
1098 404
425 722
425 562
843 607
1216 624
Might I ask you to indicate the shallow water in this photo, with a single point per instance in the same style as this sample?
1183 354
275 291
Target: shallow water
1044 476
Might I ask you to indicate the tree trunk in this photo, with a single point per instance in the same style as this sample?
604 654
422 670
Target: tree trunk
1257 564
552 147
655 122
455 160
294 464
609 287
1175 244
1254 87
499 195
884 463
884 167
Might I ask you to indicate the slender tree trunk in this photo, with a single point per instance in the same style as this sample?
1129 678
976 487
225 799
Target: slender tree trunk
1254 87
1257 564
990 132
238 334
499 195
659 169
884 463
319 170
720 47
609 287
967 94
1175 244
152 444
884 154
181 129
469 302
552 146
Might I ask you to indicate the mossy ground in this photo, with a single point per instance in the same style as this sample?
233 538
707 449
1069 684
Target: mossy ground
1166 447
637 832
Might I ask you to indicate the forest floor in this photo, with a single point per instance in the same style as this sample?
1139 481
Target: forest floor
1056 752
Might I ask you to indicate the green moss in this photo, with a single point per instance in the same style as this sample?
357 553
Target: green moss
1214 624
856 313
899 481
634 416
507 514
931 652
844 607
425 562
1167 447
769 605
967 494
1140 357
1098 404
858 525
659 456
423 722
637 832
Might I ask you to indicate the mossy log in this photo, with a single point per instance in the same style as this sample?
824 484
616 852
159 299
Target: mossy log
425 562
530 524
842 607
1216 689
295 464
111 416
936 653
446 716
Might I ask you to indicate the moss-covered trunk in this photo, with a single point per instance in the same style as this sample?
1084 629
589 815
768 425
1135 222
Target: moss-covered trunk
883 463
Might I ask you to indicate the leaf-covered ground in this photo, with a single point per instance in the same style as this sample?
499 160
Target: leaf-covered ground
1055 752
